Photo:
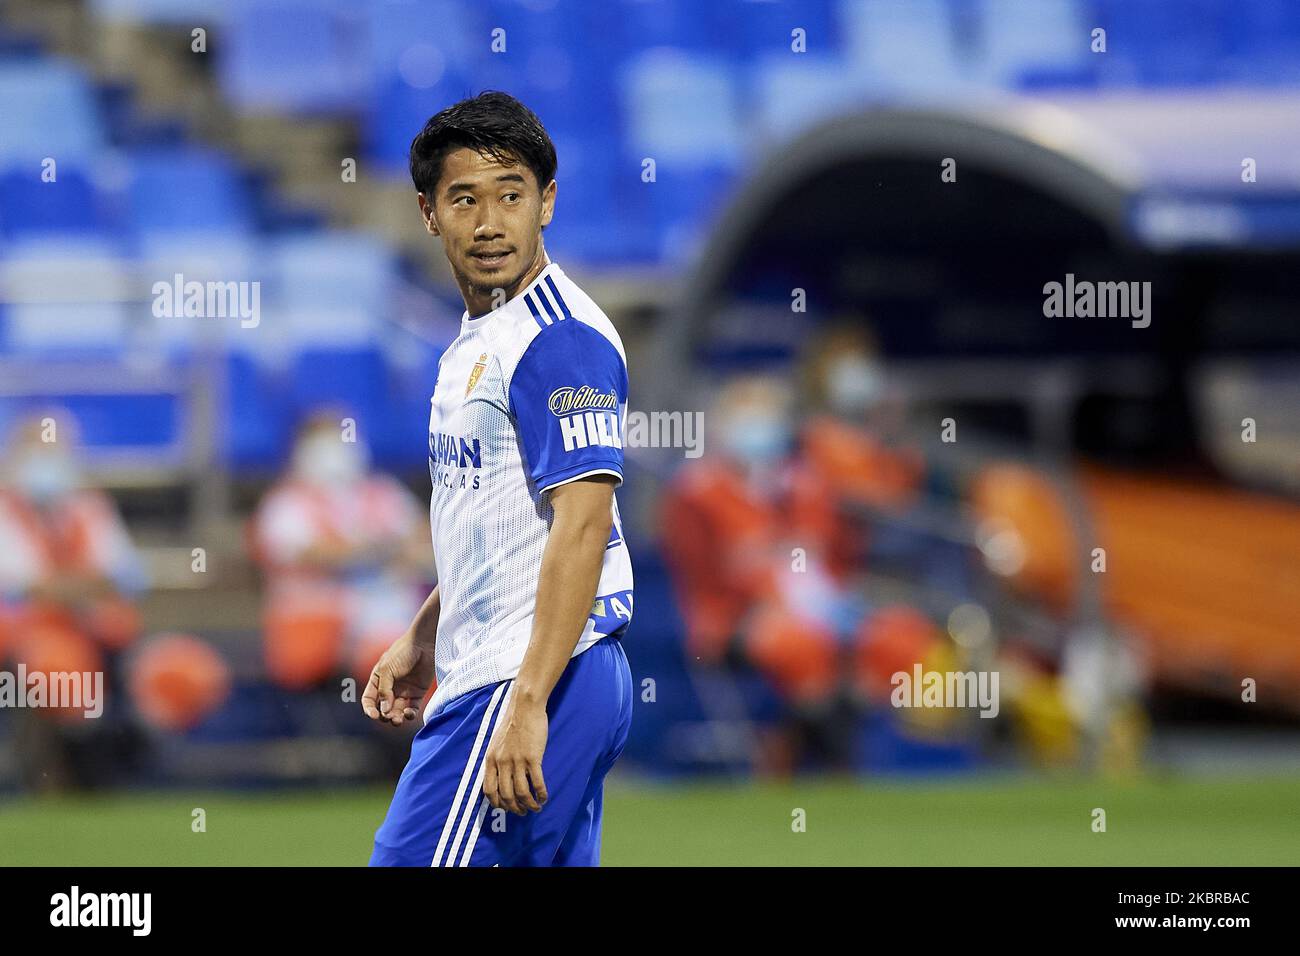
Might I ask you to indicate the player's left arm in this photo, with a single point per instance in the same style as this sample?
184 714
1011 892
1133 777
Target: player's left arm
570 380
566 588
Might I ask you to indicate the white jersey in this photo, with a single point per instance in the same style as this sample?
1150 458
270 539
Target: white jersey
529 396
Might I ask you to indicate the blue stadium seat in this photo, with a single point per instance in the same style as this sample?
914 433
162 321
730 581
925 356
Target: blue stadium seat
1262 41
355 380
1150 43
295 56
602 208
902 47
545 61
69 298
257 422
137 420
1022 36
70 205
558 60
757 28
150 424
790 94
49 110
632 25
681 207
187 190
207 258
395 26
331 289
683 109
1262 29
399 111
538 23
399 438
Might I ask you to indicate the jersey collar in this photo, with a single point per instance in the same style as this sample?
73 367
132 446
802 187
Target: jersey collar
511 305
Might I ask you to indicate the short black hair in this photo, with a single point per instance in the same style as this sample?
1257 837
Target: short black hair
493 124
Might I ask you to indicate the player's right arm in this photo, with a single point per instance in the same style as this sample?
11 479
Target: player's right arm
402 677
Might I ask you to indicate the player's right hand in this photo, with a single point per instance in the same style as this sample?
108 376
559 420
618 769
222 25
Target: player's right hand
399 682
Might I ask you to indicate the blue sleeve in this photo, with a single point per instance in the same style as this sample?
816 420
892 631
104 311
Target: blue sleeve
568 397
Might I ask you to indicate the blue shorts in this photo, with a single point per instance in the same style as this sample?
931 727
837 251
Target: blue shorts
439 816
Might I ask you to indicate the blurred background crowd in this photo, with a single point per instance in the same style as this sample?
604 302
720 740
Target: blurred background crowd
826 225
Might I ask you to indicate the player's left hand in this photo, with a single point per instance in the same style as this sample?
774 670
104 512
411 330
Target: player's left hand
514 760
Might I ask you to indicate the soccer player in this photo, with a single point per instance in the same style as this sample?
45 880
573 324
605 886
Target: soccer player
534 694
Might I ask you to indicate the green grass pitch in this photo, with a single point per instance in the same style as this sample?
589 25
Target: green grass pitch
1034 821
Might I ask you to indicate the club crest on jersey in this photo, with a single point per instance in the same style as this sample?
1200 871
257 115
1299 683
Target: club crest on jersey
476 372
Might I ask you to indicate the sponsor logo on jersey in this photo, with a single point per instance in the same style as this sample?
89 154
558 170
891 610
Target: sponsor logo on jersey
476 373
567 400
455 450
612 612
590 429
587 417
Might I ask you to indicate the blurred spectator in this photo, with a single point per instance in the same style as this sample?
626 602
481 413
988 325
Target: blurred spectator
765 539
346 556
69 576
67 561
852 435
751 537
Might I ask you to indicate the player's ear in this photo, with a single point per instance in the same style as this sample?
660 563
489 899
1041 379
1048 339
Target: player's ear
426 213
548 203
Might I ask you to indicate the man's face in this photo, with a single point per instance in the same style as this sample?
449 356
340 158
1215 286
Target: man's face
490 218
44 473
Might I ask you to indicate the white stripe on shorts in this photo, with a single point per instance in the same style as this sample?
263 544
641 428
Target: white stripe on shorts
473 833
472 802
452 813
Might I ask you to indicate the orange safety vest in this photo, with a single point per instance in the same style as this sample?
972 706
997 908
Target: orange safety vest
65 541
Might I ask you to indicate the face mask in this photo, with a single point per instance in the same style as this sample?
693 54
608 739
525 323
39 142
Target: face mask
330 461
854 384
45 477
757 439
